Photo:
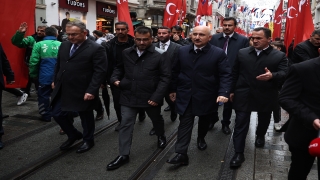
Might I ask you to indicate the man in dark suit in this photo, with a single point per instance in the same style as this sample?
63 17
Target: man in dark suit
176 36
300 97
255 77
231 42
5 69
201 77
172 51
143 75
81 68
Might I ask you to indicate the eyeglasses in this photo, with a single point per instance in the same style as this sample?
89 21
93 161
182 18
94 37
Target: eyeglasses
121 29
144 39
72 34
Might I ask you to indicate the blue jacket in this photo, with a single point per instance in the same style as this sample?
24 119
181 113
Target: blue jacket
200 78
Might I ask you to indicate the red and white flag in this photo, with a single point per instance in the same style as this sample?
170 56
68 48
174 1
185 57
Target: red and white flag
173 14
124 14
277 21
291 21
305 27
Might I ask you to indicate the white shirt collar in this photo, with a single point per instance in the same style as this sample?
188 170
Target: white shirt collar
195 48
167 43
224 35
259 51
139 52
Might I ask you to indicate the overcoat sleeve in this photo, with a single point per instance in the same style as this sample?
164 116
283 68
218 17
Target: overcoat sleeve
224 76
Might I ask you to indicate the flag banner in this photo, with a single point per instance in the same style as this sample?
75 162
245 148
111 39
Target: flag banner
291 21
277 21
173 12
305 26
124 14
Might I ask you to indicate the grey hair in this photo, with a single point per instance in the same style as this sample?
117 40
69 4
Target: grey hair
78 24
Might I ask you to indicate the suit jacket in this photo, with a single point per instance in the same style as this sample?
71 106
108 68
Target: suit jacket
5 69
304 51
172 51
251 94
81 73
200 78
300 97
235 43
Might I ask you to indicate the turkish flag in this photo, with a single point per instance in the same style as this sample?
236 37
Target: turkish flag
183 12
291 21
277 21
172 13
209 8
305 27
124 14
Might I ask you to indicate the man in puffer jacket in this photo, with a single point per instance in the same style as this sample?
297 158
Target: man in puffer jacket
41 66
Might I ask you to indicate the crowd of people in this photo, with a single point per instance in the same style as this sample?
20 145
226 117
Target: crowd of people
193 75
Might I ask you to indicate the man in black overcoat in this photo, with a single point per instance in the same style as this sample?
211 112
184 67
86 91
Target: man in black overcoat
300 97
80 70
255 76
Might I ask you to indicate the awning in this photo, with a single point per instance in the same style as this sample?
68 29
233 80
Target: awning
134 23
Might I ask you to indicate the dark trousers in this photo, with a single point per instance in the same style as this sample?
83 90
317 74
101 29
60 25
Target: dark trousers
62 118
106 101
30 81
99 107
14 91
44 93
1 119
277 113
170 103
227 111
301 163
241 128
129 115
186 126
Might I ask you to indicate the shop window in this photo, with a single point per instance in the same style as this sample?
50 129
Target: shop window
104 23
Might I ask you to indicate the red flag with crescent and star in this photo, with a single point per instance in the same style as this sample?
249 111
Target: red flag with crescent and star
277 21
291 21
209 8
174 13
124 14
201 11
305 27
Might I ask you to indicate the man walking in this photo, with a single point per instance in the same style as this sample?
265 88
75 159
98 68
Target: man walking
255 77
176 36
201 78
231 42
143 77
80 70
41 66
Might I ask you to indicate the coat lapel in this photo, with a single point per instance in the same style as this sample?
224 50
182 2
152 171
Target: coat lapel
83 46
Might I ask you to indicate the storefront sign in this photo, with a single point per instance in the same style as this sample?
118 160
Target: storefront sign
106 9
77 5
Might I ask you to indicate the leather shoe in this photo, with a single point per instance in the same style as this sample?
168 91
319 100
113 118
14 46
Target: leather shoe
118 162
1 143
237 160
152 132
226 130
259 141
180 159
173 116
162 141
167 108
100 115
202 145
86 146
142 117
66 145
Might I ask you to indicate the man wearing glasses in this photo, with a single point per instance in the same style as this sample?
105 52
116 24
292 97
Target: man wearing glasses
143 75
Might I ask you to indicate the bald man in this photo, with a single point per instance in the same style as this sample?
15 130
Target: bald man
201 78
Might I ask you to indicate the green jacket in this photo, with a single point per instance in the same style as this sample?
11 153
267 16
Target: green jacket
21 42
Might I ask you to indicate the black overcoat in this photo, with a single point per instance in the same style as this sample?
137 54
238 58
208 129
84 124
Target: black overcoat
200 77
81 73
251 94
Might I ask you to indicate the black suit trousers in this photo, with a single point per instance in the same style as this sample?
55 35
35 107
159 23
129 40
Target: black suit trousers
242 126
62 118
227 111
186 126
170 103
1 118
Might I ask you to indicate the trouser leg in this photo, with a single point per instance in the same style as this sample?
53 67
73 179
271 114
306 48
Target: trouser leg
227 111
263 123
14 91
116 92
155 115
241 128
277 113
203 124
88 125
1 119
99 108
44 93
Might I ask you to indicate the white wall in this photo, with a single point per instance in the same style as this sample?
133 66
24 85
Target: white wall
91 15
52 12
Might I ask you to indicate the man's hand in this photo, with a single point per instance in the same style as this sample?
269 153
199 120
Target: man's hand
316 124
222 99
172 96
266 76
10 82
152 103
116 83
23 27
52 85
88 96
231 97
176 37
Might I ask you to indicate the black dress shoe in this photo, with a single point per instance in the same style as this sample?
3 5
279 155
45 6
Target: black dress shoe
237 160
1 143
118 162
167 108
100 115
162 141
142 117
202 145
152 132
226 130
180 159
86 146
173 116
69 142
259 141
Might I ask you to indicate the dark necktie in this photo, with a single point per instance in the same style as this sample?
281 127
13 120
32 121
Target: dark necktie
74 48
198 51
225 43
